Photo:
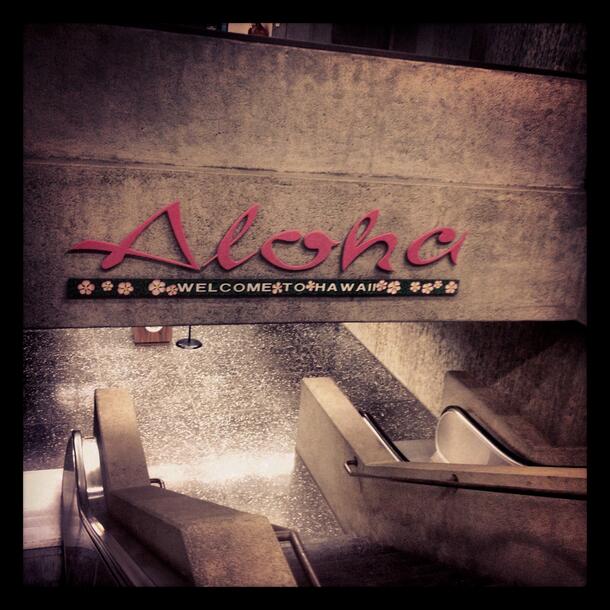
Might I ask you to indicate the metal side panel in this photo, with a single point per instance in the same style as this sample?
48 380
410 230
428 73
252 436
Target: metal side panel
97 551
459 441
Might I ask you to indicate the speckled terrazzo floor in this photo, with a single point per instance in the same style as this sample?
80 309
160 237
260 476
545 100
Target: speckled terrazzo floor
217 423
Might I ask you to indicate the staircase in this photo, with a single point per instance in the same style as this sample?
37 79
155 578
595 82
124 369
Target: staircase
349 561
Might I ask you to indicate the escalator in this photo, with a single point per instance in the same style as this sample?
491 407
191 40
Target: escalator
408 505
458 439
98 551
486 493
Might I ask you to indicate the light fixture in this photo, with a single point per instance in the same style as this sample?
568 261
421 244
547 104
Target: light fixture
189 343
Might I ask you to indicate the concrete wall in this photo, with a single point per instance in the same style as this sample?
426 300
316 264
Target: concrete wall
42 508
540 366
119 122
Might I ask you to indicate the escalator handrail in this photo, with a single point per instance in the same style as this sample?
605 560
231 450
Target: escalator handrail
483 430
502 447
124 575
383 437
451 475
488 434
389 443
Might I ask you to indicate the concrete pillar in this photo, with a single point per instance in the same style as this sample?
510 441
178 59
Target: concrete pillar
210 544
121 453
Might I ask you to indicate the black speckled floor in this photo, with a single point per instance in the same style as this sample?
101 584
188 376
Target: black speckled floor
219 422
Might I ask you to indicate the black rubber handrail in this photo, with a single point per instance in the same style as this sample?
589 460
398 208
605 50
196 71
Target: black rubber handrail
523 461
384 437
121 566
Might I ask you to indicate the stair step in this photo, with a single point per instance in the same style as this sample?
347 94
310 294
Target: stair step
338 549
392 570
356 562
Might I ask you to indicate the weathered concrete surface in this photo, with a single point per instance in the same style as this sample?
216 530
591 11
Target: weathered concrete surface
119 122
124 94
507 270
541 366
122 458
211 545
518 539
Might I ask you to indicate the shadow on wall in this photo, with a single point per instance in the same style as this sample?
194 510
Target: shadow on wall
540 366
550 387
563 568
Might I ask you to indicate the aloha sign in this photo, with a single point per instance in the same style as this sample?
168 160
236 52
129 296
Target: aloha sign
356 242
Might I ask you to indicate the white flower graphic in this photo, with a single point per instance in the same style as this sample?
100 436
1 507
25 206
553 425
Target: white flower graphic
451 287
277 288
381 285
156 287
107 286
311 285
427 288
86 287
125 288
171 290
415 286
438 284
393 287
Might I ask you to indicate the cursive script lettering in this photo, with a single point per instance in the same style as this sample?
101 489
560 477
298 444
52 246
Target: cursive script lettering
355 244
